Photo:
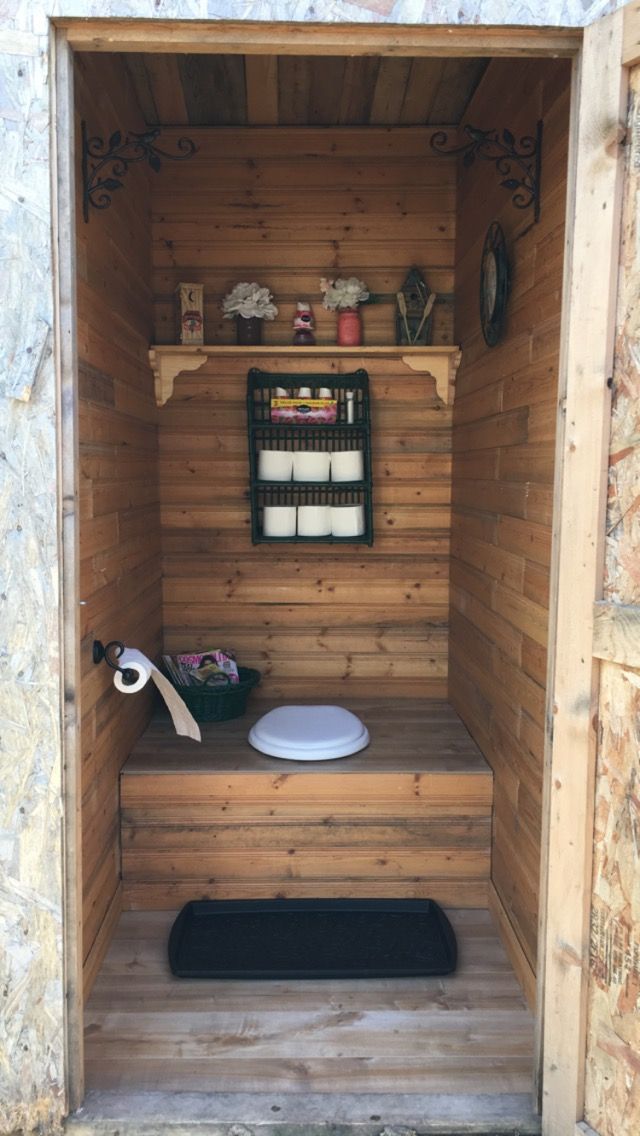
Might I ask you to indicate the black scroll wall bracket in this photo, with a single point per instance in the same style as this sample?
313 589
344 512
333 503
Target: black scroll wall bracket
104 164
111 653
518 162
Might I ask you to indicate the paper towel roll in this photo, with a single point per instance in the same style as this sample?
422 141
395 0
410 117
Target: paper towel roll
134 660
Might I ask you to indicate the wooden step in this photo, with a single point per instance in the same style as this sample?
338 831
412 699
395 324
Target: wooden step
408 816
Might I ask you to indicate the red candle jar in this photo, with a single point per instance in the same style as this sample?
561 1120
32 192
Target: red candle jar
349 328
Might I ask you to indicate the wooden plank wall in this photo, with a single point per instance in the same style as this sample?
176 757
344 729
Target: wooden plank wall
353 619
119 526
286 206
504 421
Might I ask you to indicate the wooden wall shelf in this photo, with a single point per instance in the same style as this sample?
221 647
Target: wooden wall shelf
167 362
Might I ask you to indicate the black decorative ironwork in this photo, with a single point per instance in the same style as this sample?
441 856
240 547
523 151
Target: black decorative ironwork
519 163
104 164
115 648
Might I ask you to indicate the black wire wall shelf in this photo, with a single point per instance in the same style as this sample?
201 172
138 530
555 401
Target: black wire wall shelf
351 431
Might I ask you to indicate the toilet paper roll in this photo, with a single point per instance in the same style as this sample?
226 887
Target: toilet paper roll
279 520
347 520
314 520
347 465
134 660
275 465
311 465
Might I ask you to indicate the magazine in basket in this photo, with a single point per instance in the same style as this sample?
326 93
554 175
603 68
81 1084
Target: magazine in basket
209 668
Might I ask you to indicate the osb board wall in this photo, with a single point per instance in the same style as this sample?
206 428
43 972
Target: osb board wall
504 419
287 206
612 1096
346 620
119 520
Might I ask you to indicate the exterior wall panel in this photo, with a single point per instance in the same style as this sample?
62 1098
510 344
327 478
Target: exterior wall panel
613 1042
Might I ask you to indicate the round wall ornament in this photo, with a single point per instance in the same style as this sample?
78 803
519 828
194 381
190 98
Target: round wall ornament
494 284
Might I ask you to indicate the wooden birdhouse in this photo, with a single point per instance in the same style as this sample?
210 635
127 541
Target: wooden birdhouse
414 311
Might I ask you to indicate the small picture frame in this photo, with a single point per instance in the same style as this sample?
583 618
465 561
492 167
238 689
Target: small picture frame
190 314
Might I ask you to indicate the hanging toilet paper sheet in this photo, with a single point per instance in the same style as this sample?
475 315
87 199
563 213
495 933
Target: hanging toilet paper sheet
144 669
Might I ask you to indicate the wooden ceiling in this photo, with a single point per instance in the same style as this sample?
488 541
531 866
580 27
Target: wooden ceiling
288 90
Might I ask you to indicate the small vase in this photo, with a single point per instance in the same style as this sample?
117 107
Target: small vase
248 331
349 328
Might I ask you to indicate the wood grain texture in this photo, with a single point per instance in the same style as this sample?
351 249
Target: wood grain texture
587 356
361 616
515 953
119 535
612 1100
283 38
410 815
469 1031
291 206
303 89
504 418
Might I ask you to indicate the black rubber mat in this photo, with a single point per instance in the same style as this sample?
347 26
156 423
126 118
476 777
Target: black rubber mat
311 938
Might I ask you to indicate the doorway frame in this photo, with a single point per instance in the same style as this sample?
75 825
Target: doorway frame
588 319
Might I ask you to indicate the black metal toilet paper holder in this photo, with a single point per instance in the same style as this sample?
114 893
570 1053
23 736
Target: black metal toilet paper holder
115 649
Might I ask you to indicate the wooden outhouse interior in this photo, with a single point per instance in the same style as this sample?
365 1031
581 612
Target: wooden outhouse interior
436 635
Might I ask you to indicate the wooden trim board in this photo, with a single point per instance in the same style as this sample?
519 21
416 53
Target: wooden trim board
631 35
66 364
101 943
279 38
593 230
512 946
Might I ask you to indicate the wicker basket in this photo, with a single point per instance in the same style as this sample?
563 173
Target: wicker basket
219 703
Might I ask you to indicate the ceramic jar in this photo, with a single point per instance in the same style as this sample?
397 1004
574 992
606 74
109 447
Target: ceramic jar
248 331
349 328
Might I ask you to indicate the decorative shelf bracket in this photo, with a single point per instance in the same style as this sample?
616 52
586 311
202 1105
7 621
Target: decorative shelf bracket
104 164
519 163
167 365
442 368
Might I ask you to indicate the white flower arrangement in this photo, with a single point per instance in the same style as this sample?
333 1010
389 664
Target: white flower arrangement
249 300
343 293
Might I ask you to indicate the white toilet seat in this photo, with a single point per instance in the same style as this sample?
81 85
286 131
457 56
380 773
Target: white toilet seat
309 733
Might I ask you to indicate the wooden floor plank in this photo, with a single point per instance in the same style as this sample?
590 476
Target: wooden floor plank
462 1033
